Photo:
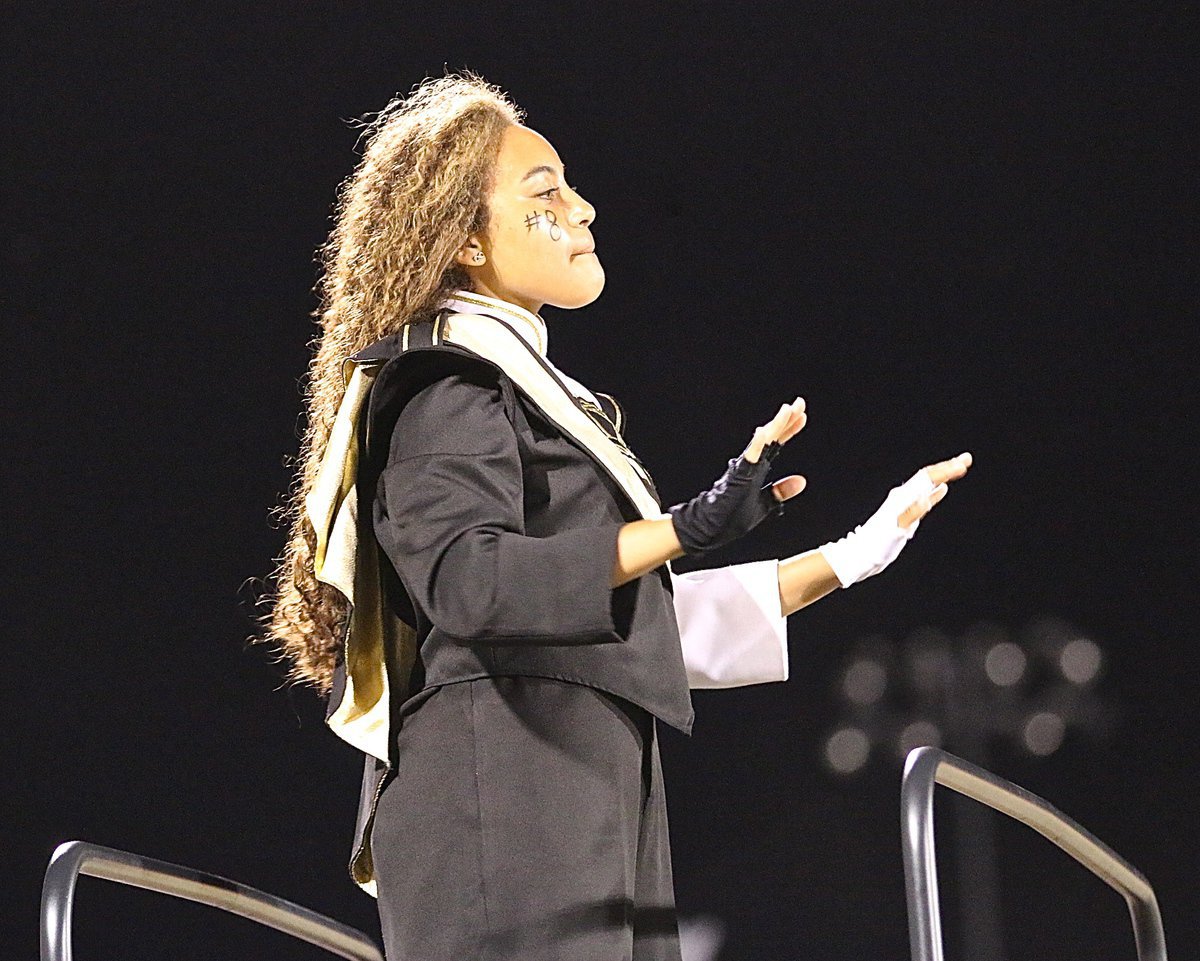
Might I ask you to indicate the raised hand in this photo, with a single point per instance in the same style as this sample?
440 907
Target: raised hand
740 499
873 545
781 428
939 475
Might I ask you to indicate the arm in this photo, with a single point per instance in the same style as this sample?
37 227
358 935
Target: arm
732 626
643 546
733 620
804 578
449 513
807 577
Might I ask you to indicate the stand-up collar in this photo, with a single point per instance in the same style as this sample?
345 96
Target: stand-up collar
530 326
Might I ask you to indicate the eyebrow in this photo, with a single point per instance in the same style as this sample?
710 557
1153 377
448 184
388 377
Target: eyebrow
541 169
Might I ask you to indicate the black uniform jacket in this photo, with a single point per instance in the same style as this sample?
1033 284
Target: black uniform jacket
499 534
497 537
500 537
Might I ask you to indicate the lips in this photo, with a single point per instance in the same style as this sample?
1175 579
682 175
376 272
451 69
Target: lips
579 253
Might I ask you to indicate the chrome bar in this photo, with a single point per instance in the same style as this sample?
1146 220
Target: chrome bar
927 766
73 858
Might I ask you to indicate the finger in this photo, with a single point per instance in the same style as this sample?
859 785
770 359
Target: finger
794 428
783 429
788 487
796 422
919 508
951 469
766 433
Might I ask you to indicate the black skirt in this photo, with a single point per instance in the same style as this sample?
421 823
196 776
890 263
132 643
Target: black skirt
525 819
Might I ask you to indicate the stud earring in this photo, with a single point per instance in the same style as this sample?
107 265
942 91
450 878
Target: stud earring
478 258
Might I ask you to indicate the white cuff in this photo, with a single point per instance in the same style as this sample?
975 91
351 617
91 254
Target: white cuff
731 626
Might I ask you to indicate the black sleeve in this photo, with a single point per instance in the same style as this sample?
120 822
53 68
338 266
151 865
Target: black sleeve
449 513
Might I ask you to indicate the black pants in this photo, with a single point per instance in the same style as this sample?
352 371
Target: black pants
526 820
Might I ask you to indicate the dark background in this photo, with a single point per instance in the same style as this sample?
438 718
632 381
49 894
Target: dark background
947 226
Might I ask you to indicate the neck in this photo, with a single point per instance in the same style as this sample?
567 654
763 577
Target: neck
494 290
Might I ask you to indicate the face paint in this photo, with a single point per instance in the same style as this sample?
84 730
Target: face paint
534 220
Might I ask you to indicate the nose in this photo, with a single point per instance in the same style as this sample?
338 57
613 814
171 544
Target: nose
582 213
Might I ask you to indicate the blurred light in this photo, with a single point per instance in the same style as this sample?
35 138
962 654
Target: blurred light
928 660
1080 661
847 750
1005 664
701 937
918 734
1044 733
865 681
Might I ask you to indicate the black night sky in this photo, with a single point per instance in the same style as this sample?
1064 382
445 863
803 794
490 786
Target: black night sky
948 226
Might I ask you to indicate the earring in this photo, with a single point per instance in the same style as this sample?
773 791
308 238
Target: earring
478 258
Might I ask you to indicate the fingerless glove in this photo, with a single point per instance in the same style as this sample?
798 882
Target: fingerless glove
873 545
736 504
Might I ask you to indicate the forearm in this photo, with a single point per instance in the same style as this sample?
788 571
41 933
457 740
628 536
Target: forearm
804 578
643 546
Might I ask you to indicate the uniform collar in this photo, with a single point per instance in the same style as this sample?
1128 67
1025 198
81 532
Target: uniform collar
529 326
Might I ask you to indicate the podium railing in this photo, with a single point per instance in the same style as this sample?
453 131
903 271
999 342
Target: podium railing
927 767
73 858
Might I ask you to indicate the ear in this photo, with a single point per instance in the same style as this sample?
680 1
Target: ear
471 254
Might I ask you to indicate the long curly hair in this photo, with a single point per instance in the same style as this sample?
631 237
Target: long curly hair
420 189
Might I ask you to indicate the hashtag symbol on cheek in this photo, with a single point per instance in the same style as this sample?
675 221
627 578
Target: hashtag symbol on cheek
532 221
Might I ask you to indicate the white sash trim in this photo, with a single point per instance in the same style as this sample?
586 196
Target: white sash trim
494 340
362 715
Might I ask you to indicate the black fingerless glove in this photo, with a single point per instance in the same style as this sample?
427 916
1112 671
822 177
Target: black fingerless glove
737 503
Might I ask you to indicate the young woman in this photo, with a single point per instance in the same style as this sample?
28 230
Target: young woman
478 574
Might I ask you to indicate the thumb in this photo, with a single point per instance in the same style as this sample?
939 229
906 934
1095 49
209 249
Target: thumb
788 487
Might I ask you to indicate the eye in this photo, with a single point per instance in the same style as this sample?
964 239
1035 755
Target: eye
548 193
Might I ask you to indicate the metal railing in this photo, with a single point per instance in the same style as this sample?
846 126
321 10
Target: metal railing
927 766
73 858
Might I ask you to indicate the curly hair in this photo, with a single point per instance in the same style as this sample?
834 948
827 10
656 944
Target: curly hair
419 190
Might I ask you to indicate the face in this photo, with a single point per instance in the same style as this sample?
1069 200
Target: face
538 248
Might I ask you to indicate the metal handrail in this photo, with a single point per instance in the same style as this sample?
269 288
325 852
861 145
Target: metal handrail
927 766
73 858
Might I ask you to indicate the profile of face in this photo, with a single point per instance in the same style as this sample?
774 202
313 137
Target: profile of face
538 247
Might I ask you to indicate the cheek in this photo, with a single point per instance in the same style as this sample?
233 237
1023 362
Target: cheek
530 240
542 225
